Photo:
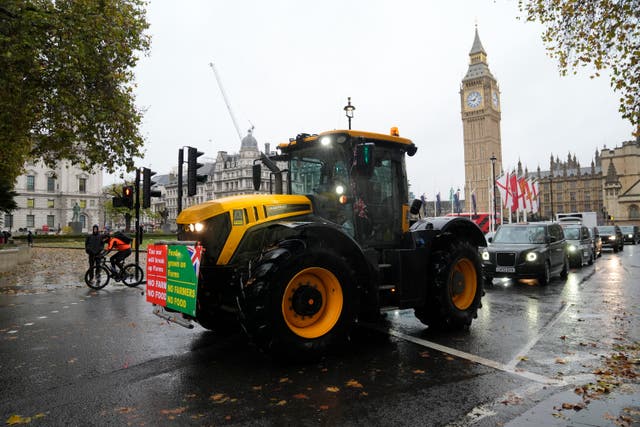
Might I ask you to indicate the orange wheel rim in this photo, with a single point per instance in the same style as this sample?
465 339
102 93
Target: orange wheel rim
312 302
463 283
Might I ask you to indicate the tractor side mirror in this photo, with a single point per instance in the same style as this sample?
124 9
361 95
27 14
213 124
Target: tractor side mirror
257 176
364 159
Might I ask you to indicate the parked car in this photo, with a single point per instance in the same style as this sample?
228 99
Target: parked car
630 233
526 251
579 245
597 241
611 237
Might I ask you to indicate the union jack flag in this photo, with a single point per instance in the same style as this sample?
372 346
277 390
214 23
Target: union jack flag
195 252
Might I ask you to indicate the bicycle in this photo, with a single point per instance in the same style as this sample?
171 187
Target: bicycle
98 276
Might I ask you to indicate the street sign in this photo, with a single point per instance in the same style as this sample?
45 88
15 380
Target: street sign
172 276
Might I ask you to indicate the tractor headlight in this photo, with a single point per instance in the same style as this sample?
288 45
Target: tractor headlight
325 140
339 189
197 227
531 256
572 248
485 255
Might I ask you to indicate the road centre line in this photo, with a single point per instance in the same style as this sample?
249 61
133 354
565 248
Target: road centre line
471 357
534 340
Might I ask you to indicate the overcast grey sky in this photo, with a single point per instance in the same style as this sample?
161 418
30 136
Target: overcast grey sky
288 67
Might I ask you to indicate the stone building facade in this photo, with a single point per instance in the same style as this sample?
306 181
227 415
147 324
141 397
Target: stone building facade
609 186
46 197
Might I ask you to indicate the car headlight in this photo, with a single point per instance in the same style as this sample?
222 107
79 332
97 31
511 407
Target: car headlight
531 256
612 237
572 248
630 236
485 255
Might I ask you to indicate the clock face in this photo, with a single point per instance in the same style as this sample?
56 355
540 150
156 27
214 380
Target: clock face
474 99
494 98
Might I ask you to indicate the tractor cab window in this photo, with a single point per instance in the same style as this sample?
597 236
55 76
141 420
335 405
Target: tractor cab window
379 199
321 173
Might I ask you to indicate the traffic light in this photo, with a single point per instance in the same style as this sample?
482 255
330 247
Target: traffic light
147 193
192 171
127 196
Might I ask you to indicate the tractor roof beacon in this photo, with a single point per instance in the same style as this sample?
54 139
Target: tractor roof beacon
297 270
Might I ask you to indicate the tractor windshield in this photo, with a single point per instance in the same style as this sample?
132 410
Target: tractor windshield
368 205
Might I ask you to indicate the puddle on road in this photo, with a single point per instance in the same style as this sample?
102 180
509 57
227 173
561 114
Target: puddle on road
605 411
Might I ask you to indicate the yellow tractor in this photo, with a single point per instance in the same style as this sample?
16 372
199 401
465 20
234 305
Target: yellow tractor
297 271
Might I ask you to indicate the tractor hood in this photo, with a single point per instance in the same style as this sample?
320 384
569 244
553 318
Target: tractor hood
252 207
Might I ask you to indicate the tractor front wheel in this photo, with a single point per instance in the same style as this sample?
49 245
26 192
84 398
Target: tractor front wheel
299 301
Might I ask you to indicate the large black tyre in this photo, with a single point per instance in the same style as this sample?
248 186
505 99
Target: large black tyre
132 275
97 277
455 290
299 301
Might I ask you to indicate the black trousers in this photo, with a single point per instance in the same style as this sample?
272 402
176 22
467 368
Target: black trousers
120 257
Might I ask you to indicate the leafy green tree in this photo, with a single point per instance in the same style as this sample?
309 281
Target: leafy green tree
604 34
66 85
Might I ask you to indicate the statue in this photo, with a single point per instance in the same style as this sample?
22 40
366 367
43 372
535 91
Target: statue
76 213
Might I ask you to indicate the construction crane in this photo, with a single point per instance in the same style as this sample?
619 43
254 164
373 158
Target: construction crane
226 100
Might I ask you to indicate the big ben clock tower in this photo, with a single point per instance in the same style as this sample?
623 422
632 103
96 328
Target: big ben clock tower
480 100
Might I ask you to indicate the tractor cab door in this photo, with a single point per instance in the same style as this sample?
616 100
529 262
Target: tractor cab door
379 196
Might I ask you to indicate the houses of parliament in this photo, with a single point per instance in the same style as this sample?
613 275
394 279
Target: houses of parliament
608 184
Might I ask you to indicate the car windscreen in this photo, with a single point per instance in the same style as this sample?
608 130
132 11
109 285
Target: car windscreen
627 229
572 233
519 234
607 229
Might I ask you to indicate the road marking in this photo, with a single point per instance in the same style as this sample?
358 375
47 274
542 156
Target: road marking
29 324
533 341
42 317
471 357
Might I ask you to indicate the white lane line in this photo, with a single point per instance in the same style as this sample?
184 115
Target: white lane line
534 340
29 324
471 357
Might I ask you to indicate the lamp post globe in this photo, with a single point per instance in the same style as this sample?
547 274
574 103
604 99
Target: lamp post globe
349 109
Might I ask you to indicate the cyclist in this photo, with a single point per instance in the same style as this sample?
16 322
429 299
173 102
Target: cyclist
123 251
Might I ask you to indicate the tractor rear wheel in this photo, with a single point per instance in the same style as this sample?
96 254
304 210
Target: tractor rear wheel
299 301
455 289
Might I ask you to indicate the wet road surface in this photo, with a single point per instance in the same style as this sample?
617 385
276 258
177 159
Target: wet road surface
74 356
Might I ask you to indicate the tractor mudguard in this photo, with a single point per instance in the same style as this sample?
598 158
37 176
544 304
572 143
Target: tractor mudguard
425 231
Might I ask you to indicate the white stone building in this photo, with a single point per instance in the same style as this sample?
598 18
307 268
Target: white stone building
46 197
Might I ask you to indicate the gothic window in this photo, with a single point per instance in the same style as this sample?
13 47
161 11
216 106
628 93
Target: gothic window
634 212
82 185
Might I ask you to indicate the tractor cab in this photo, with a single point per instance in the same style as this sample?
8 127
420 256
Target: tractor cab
354 179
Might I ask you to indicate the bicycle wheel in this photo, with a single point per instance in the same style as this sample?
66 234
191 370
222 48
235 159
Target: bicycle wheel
97 277
132 275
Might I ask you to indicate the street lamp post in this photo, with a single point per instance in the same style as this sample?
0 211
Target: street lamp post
348 109
551 192
493 185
